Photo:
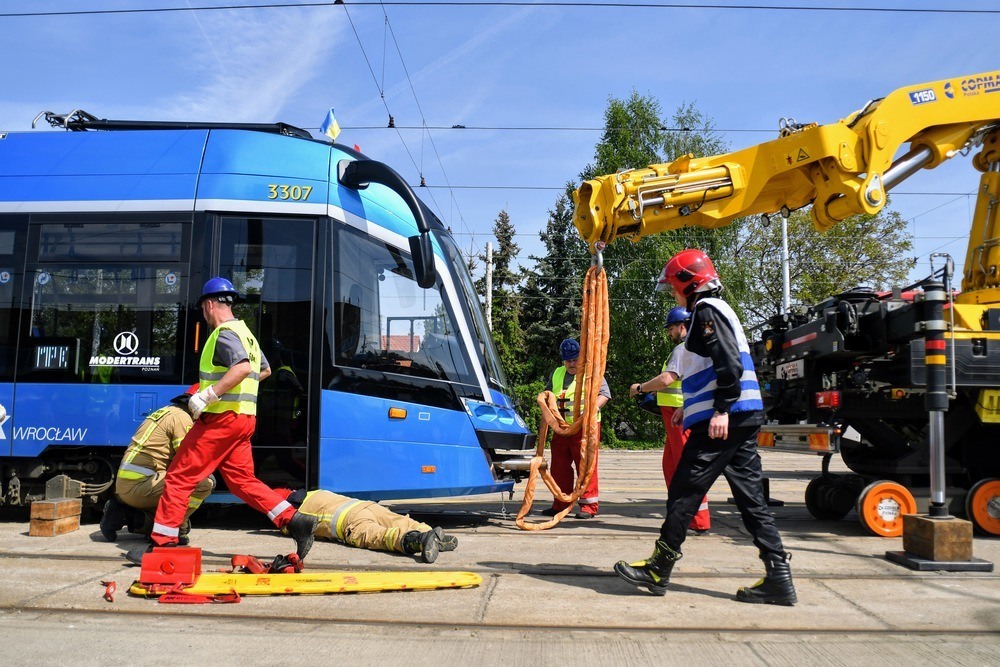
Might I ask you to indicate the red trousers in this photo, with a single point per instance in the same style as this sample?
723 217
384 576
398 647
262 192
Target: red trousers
565 457
215 442
673 446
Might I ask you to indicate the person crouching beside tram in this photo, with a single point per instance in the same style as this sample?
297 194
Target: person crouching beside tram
724 411
368 525
566 450
225 408
139 483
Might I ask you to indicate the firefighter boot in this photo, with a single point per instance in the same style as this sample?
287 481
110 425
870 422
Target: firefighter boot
300 528
184 533
448 542
114 519
140 522
654 572
776 586
427 544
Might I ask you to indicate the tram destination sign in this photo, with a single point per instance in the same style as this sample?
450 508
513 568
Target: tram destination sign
53 354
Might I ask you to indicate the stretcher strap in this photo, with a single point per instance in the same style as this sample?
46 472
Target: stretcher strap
594 335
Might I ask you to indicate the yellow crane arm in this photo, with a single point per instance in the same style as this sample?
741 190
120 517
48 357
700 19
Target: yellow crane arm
842 169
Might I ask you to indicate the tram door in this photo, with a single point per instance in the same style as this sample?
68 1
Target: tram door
12 240
270 261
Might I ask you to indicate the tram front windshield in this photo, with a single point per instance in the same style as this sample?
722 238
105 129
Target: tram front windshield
386 322
474 311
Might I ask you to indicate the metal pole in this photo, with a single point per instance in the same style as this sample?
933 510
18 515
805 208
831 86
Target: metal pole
936 398
786 299
489 284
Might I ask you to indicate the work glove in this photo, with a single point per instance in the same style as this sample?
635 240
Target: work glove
201 400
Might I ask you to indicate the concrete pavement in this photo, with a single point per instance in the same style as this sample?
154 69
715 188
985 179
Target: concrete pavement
546 597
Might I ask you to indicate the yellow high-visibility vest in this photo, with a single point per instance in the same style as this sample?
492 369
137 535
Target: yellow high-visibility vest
673 395
241 399
558 378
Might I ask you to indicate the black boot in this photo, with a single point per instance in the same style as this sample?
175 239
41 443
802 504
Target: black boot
654 572
448 542
114 519
427 544
184 533
140 522
776 586
300 529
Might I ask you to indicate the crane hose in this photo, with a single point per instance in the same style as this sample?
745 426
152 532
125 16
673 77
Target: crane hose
594 334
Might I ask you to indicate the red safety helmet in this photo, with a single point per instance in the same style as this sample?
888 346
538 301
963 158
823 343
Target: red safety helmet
689 271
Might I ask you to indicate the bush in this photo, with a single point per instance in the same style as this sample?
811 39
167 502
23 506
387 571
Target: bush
527 406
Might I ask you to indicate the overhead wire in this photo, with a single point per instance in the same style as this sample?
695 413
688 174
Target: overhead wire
466 4
568 4
381 90
423 120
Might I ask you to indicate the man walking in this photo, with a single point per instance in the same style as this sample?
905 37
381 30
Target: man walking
224 410
723 409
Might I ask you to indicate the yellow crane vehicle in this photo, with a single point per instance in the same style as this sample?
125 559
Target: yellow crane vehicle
849 375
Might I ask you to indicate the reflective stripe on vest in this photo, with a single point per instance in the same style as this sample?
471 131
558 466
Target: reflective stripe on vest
700 380
241 399
672 396
558 378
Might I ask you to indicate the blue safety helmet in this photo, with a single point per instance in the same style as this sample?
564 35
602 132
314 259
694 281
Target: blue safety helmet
569 349
220 289
678 315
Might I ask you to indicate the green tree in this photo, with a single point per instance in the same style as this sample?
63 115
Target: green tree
863 250
551 298
635 137
506 304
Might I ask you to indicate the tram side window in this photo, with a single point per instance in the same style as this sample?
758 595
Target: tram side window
384 321
12 234
95 318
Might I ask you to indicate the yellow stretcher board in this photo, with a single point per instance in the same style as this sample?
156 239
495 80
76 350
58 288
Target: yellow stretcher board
313 583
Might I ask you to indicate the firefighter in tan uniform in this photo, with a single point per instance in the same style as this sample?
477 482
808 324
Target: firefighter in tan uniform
368 525
139 483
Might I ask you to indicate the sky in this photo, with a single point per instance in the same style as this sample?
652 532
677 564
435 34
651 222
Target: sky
529 81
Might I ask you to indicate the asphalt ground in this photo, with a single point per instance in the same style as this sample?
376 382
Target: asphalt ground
547 597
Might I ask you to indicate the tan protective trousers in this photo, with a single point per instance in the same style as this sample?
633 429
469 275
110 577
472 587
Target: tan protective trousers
371 526
144 494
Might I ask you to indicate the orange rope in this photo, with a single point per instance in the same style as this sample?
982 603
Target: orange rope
594 334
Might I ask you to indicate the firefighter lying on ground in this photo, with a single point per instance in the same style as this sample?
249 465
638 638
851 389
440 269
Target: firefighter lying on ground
368 525
139 483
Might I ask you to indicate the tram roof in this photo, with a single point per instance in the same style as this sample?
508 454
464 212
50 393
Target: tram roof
114 166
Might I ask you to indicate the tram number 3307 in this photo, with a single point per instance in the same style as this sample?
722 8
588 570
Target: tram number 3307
288 192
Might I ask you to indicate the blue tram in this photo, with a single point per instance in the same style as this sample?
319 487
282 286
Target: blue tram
385 381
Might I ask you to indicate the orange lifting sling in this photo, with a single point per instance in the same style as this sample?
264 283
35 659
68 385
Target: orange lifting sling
594 334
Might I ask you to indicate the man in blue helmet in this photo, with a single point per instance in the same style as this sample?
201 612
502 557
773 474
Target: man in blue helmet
670 399
224 409
566 449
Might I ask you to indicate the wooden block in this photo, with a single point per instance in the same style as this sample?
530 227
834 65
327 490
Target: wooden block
939 539
56 509
53 527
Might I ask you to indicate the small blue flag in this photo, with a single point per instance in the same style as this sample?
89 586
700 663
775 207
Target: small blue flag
330 126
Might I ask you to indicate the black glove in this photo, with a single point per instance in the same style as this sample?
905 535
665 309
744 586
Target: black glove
647 401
